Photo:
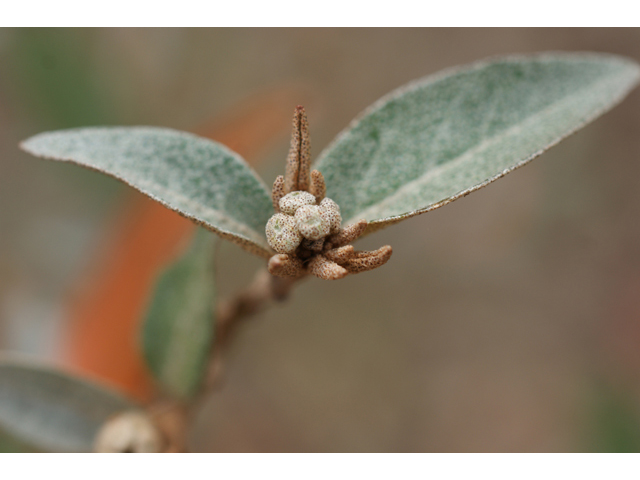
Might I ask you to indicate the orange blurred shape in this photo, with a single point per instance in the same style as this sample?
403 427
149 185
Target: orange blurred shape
105 312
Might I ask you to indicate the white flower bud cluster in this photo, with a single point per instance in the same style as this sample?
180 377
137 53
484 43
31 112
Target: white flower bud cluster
302 219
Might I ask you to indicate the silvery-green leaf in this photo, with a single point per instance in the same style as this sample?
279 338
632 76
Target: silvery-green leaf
444 136
179 326
52 410
198 178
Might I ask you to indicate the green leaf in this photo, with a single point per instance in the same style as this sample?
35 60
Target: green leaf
52 73
10 444
198 178
615 425
52 410
179 327
444 136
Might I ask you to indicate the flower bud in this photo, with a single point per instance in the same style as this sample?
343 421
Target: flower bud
294 200
282 234
330 210
132 432
311 224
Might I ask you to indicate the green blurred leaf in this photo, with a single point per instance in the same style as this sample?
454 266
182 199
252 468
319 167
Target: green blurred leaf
199 178
52 71
615 421
11 444
179 327
52 410
441 137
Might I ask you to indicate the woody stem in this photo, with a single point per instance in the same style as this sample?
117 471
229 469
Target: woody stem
230 314
264 289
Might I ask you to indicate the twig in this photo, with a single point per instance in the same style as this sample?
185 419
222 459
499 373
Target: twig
172 417
264 289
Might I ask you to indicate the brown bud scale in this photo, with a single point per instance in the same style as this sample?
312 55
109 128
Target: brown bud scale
277 192
325 269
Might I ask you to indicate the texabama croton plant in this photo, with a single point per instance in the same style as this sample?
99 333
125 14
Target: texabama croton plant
415 150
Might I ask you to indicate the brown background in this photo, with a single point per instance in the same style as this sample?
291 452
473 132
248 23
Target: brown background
506 321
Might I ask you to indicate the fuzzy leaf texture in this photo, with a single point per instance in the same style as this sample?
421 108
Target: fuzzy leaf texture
446 135
52 410
198 178
179 327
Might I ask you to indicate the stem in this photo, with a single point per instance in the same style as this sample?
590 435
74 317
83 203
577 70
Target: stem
262 291
171 418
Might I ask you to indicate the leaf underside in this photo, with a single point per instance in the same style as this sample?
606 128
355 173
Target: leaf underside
444 136
178 330
198 178
51 410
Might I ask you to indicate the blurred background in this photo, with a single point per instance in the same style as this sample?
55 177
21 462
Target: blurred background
506 321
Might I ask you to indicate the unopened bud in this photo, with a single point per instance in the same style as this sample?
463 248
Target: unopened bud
129 432
311 224
331 212
282 234
294 200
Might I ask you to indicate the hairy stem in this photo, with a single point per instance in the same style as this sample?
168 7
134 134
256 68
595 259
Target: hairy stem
264 290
